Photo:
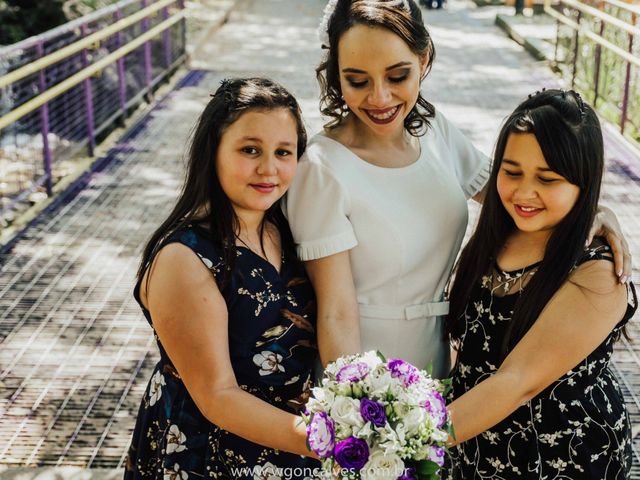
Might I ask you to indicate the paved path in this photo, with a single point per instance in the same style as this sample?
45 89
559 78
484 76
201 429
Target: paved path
75 351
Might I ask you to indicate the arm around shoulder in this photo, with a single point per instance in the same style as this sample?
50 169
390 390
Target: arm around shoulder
190 316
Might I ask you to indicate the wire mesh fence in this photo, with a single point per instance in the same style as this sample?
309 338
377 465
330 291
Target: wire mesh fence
39 148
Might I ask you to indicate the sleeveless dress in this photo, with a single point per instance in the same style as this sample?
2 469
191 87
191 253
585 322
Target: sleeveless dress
403 228
272 344
577 428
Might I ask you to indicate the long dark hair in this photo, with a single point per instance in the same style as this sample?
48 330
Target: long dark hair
202 197
408 25
569 135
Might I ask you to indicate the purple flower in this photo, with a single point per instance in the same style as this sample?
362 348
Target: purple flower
409 474
373 412
352 372
403 370
321 434
436 454
352 453
435 405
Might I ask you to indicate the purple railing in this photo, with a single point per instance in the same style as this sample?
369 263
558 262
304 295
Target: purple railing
598 51
39 149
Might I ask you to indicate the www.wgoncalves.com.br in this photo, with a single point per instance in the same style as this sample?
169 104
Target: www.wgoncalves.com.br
271 472
281 473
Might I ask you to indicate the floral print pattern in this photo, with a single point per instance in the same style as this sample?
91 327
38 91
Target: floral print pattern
577 428
272 344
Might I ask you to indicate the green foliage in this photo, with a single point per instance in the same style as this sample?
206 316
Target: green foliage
427 470
24 18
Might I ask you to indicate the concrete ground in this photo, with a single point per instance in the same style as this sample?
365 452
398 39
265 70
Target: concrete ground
75 350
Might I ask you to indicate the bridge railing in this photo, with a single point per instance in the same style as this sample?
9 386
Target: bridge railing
598 51
61 91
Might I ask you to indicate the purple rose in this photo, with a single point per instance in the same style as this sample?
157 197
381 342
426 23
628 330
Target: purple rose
321 434
352 372
436 454
403 370
435 405
352 453
373 412
409 474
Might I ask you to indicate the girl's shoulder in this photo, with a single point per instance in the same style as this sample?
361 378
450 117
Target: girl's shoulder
196 237
596 280
598 250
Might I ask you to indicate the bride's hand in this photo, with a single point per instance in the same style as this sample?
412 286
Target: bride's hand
606 224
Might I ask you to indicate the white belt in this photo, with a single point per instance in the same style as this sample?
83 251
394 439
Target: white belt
409 312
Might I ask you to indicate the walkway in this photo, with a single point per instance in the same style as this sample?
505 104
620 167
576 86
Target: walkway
75 351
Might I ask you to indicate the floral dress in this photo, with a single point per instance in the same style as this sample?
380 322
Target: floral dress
272 345
577 428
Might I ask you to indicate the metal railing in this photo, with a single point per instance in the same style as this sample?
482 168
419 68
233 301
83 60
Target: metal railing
62 91
598 50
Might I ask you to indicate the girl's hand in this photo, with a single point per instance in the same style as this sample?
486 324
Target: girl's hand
606 225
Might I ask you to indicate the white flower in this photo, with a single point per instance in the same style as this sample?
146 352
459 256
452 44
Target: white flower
379 384
175 440
175 474
414 419
382 466
372 359
269 362
390 441
268 471
439 435
366 432
155 389
346 411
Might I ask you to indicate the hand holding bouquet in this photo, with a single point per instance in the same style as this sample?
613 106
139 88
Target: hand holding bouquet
374 418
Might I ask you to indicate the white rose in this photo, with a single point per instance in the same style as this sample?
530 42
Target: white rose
414 419
379 384
347 411
382 467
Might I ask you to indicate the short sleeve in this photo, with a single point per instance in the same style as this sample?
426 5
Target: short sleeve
472 167
317 206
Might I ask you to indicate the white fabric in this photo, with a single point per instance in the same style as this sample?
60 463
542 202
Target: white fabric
403 227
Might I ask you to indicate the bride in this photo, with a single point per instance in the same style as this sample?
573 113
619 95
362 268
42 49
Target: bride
378 208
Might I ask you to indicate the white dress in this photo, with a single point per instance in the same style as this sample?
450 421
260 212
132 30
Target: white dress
403 228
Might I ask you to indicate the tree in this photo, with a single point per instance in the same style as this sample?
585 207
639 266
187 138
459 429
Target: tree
20 19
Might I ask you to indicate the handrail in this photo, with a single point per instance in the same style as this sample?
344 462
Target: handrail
75 47
607 32
610 19
630 7
596 38
74 80
30 42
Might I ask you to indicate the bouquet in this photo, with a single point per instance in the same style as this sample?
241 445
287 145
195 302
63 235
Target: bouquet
373 418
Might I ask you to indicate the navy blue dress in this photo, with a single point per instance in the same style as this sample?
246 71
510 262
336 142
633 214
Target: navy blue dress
272 344
577 428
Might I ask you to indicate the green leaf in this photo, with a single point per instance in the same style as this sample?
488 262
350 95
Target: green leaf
426 469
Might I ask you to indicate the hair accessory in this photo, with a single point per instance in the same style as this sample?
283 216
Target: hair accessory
323 28
576 96
580 102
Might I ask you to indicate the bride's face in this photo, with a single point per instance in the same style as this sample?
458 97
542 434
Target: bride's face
379 77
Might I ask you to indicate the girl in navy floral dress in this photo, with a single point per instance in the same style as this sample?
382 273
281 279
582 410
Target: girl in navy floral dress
231 307
534 314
